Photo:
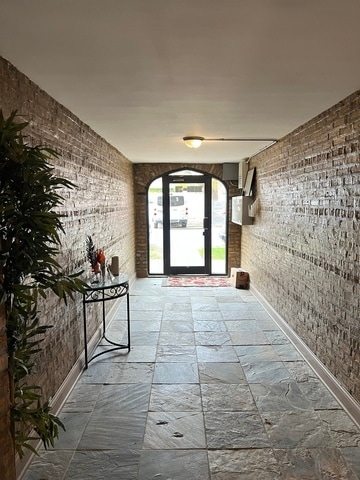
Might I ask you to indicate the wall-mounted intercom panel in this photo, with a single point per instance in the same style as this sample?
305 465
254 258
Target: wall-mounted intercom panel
240 210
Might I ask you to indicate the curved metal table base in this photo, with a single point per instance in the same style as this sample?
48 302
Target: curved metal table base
105 290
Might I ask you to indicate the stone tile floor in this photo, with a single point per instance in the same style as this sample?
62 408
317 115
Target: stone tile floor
211 390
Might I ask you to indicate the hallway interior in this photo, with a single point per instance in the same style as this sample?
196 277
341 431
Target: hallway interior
212 389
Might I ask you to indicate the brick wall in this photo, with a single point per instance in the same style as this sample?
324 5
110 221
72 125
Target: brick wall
303 250
144 174
7 463
101 206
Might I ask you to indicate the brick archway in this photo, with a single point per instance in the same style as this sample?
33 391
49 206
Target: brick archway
144 174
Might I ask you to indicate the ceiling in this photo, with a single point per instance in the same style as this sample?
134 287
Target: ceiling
145 73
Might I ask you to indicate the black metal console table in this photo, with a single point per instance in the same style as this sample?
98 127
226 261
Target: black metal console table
102 292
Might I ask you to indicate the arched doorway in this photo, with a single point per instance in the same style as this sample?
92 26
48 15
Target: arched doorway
187 219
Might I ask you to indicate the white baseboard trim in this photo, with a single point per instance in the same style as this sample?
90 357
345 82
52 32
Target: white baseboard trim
348 403
70 381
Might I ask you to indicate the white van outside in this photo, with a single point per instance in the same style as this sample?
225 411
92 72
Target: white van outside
178 211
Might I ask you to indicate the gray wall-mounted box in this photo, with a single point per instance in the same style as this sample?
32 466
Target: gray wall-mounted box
230 171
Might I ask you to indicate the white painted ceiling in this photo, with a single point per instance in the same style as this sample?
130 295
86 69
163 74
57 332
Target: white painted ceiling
145 73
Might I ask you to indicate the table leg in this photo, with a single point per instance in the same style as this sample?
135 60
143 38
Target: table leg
128 318
103 313
85 335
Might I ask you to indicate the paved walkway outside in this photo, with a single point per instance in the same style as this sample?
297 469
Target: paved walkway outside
211 390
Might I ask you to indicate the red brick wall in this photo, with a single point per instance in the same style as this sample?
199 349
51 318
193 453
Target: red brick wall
7 463
101 206
303 250
144 174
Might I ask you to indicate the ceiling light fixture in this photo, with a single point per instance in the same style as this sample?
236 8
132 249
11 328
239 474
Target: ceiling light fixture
192 141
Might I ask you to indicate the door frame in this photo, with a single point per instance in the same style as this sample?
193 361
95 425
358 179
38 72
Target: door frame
173 178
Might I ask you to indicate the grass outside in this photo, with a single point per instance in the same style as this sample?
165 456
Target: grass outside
217 253
155 253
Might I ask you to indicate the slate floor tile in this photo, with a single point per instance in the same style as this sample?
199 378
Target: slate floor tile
176 305
297 429
227 397
266 372
205 307
82 398
178 315
174 430
181 326
75 424
254 353
174 464
318 395
206 301
352 458
341 429
119 398
215 372
235 316
130 373
216 353
49 465
140 354
262 315
313 464
280 397
209 326
97 373
244 464
276 337
176 372
116 432
210 315
145 325
105 464
176 338
301 372
138 315
176 353
175 398
287 352
227 297
242 325
248 338
212 338
233 430
172 297
147 304
236 306
144 338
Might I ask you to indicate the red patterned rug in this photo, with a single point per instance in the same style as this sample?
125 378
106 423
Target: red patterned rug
196 281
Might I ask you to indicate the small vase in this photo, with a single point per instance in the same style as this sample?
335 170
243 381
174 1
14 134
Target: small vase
103 270
97 273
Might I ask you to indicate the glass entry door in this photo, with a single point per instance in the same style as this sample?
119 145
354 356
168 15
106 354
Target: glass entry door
186 225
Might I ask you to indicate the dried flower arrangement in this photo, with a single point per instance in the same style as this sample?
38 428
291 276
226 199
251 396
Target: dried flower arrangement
96 258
